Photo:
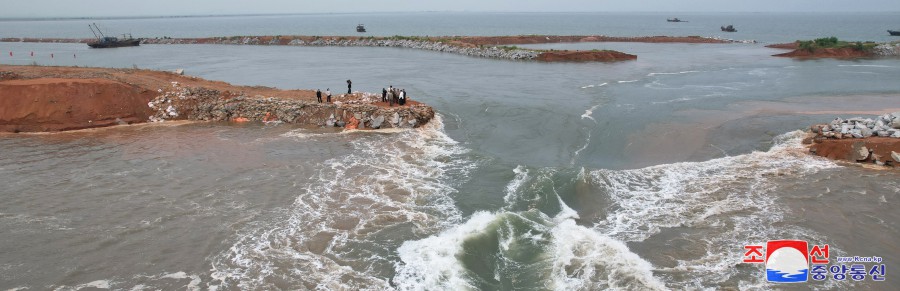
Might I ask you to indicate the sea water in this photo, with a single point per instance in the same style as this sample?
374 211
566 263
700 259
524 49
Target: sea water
647 174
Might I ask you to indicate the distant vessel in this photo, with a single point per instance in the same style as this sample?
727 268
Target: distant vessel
360 28
729 28
104 41
894 32
675 20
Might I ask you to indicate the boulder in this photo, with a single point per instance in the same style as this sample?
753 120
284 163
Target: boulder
895 124
865 132
376 122
859 152
395 119
836 123
845 128
895 156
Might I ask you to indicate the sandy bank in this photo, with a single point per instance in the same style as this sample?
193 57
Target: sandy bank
38 99
835 53
879 50
585 56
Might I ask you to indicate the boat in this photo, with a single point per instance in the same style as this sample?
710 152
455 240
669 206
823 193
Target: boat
675 20
104 41
360 28
729 28
894 32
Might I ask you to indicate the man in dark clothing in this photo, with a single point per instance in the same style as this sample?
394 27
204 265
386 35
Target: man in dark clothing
319 95
348 86
383 95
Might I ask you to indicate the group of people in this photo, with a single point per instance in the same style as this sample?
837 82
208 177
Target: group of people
393 95
327 95
389 95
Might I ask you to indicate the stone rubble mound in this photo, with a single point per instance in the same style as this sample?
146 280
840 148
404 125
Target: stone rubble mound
193 103
887 125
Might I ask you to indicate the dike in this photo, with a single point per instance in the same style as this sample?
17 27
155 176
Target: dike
496 47
48 99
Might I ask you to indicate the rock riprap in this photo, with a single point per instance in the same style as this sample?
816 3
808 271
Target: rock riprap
887 125
196 103
866 140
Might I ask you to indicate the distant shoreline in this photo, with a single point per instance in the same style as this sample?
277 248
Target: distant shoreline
663 13
497 47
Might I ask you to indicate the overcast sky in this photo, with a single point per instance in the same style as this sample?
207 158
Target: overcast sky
87 8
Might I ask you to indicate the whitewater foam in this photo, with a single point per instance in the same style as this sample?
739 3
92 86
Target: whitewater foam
587 113
573 257
560 254
593 86
391 188
870 66
675 73
731 194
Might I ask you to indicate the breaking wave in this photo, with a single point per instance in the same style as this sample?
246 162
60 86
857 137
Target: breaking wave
714 208
341 232
688 222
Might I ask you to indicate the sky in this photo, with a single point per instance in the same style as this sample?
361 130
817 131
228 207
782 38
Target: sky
129 8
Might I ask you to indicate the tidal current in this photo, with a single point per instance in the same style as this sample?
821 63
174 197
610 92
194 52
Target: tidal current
648 174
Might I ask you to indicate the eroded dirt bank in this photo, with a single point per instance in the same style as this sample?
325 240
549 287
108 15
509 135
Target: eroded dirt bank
864 140
878 50
39 99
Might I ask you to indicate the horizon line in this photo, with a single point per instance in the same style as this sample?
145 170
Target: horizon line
6 18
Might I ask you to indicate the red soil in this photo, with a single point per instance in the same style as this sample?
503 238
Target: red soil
842 149
837 53
61 104
35 98
585 56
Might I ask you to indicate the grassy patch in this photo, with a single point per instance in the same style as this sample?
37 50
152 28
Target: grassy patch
834 42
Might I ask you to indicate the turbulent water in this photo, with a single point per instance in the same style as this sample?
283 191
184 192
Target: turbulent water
643 175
